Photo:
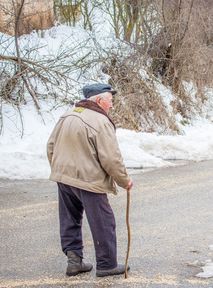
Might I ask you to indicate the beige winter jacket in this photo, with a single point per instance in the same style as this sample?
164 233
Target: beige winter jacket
83 152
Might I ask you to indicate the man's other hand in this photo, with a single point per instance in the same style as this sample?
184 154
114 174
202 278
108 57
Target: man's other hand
130 184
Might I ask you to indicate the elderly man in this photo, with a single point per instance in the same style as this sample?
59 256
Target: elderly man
86 163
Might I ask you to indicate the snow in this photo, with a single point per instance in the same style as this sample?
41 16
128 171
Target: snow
207 267
196 144
63 48
207 270
25 158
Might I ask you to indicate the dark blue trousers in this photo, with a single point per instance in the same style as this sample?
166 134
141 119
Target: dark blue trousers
72 203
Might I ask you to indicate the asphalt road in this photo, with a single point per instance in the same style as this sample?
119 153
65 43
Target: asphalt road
171 221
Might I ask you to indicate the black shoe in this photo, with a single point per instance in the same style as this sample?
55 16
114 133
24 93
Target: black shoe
76 265
120 269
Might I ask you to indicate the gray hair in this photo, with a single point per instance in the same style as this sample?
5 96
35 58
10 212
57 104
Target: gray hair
102 95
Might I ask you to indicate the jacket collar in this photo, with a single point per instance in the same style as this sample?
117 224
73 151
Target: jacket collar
95 107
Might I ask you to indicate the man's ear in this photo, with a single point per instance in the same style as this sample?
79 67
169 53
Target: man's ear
98 98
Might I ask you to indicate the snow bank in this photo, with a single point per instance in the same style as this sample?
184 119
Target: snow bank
26 157
23 158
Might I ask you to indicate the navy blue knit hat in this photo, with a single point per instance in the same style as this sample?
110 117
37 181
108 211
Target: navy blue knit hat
97 88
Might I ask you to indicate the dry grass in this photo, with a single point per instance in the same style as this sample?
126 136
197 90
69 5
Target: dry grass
183 50
137 105
35 15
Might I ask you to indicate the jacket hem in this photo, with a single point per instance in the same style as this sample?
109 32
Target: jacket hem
81 184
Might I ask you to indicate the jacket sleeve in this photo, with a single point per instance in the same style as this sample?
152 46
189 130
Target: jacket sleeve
52 139
110 156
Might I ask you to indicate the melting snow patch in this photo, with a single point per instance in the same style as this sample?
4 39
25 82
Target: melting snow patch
211 247
207 268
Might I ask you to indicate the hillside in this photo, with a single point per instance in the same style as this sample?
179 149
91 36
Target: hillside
42 74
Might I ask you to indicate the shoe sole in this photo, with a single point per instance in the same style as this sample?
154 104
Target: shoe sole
76 273
106 274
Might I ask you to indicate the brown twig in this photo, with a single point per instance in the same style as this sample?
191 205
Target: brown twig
188 19
17 20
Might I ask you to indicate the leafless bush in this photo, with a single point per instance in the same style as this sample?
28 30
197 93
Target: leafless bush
132 21
24 74
179 44
35 15
183 50
68 12
137 106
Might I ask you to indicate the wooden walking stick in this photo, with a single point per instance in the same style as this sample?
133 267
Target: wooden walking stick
128 231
